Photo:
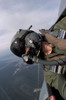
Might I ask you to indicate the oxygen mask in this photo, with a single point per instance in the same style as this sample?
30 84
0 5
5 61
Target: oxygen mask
29 54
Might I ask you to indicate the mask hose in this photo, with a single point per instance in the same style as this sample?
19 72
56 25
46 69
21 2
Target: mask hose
53 62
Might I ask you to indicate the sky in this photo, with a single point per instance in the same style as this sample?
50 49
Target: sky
20 14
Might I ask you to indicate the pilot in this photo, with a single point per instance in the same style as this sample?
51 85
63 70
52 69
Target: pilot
58 81
45 47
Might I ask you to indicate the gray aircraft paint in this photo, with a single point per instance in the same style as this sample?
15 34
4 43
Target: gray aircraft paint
62 7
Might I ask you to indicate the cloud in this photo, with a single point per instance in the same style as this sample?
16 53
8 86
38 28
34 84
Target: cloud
9 21
22 15
5 42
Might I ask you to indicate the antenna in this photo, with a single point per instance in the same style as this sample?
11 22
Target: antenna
30 27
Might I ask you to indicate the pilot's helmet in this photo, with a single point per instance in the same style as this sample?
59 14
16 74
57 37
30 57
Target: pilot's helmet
18 43
24 38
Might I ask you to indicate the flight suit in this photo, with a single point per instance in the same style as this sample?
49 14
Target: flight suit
58 81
